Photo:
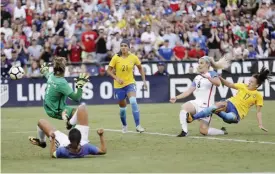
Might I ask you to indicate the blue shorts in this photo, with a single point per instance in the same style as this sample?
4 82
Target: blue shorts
231 108
121 93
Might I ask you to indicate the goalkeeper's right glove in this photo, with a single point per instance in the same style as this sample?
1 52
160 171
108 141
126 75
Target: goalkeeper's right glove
44 68
81 80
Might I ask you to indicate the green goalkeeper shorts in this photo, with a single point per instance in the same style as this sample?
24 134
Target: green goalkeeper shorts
58 115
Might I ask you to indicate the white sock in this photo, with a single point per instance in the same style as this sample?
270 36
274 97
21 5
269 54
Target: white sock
214 131
41 135
183 121
73 120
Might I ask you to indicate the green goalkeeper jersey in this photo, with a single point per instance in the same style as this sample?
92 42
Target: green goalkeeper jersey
57 92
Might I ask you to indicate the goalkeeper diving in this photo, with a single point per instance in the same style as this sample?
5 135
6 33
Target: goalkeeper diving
58 90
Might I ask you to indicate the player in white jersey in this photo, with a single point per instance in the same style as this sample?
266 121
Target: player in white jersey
204 90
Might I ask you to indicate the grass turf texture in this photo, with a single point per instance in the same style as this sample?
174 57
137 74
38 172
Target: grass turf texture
142 152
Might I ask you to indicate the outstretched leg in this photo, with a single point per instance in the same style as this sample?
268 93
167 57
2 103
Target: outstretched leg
44 128
221 106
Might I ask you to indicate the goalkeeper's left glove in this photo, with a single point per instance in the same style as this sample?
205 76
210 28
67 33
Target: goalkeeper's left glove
44 68
81 80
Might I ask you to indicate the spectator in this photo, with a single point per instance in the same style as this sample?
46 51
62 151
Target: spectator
19 11
261 49
62 50
115 43
5 16
88 39
6 30
102 72
75 50
252 53
46 56
272 48
5 65
101 49
148 38
33 71
214 44
35 50
180 53
240 52
166 52
196 52
161 70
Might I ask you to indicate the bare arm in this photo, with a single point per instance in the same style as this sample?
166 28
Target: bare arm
102 149
111 73
186 93
226 83
215 81
52 146
140 69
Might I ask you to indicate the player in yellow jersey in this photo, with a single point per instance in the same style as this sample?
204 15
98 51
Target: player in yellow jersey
123 65
236 108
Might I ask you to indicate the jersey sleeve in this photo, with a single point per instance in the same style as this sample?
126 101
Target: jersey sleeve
65 89
239 85
137 61
93 150
260 100
213 74
113 61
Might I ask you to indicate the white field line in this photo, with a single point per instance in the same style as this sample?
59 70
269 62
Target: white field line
171 135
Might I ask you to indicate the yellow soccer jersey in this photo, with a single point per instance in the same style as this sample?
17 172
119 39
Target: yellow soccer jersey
124 68
245 98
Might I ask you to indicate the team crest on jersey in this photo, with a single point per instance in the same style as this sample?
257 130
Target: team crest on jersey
131 62
254 96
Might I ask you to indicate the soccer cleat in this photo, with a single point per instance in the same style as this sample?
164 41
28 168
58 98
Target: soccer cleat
182 134
189 117
224 130
140 129
36 141
124 129
68 125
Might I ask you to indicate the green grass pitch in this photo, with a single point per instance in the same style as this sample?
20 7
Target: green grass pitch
134 152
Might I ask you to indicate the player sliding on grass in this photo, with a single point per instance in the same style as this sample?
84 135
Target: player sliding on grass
124 83
58 90
236 108
204 90
76 145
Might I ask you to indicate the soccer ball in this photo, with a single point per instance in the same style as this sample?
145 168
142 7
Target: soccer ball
16 72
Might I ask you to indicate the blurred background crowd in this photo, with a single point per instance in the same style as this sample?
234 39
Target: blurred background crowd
90 31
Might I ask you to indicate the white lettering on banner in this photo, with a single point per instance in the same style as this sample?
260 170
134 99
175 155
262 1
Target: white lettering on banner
106 90
40 91
31 92
88 91
140 91
179 81
20 96
179 68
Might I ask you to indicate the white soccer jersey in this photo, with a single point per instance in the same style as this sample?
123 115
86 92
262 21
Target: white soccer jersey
205 90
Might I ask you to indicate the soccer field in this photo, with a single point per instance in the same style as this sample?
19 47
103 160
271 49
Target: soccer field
245 149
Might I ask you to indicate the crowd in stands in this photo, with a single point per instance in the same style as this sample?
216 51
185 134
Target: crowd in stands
90 31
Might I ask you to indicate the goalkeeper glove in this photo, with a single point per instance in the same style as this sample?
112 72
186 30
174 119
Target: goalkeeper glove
81 80
44 68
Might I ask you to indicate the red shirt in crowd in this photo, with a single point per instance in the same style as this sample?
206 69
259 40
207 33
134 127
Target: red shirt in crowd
75 55
174 5
88 39
108 2
29 14
179 52
194 53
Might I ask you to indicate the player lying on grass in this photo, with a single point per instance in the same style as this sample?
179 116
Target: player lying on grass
204 90
58 90
236 108
76 145
124 83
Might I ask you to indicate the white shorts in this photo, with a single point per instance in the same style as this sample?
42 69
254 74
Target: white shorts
62 139
198 109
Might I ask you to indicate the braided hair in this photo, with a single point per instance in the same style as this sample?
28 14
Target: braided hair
262 76
59 65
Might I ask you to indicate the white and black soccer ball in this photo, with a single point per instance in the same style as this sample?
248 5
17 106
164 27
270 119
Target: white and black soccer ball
16 72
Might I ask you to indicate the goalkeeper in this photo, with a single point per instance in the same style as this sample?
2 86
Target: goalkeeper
58 90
